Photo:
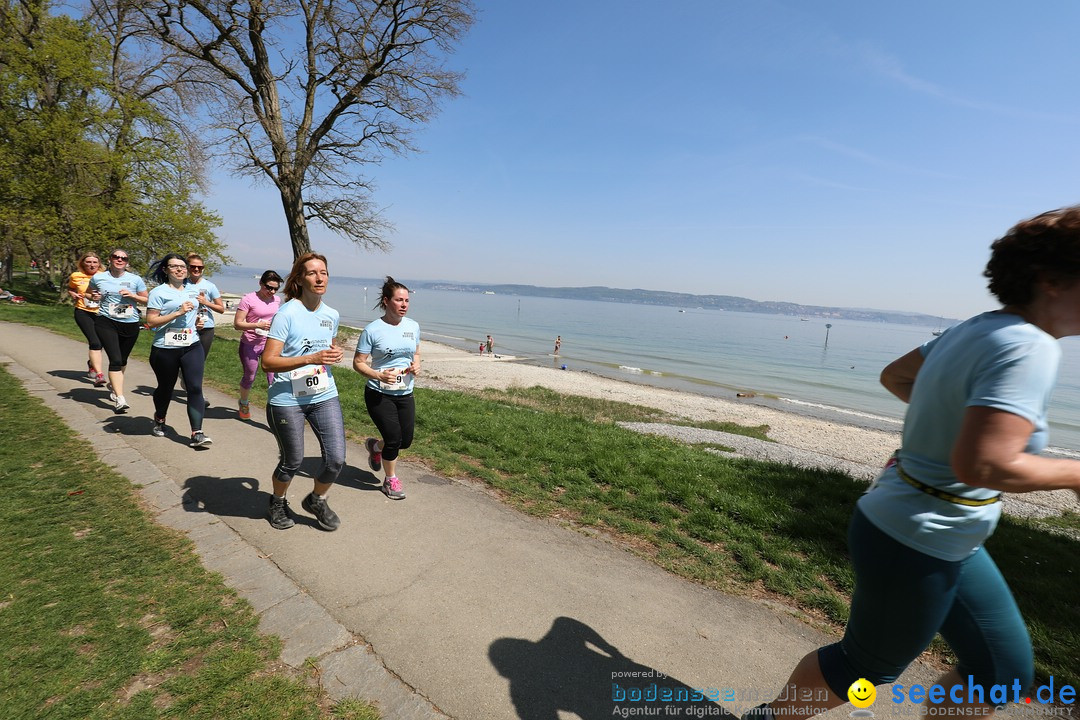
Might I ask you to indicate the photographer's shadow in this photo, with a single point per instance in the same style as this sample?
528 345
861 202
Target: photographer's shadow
224 497
573 669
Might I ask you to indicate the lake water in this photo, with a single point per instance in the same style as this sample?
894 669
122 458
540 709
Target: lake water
798 365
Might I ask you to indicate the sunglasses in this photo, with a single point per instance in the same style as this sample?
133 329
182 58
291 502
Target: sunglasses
272 288
195 267
118 257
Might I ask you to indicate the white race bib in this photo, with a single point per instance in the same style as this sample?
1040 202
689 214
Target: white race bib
398 384
119 310
89 304
179 337
310 380
260 331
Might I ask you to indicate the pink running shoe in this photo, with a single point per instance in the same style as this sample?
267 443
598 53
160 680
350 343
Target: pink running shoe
374 457
392 487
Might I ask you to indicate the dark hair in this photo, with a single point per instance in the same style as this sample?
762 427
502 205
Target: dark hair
388 289
1046 247
270 275
293 286
159 271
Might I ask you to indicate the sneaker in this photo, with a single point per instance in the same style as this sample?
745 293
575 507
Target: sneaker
100 381
279 516
90 374
199 440
245 411
328 519
120 404
392 488
112 393
159 428
374 457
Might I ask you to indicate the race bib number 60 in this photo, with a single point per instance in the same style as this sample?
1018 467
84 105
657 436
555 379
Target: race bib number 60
311 380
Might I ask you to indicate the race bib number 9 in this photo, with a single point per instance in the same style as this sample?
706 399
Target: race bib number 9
398 384
309 381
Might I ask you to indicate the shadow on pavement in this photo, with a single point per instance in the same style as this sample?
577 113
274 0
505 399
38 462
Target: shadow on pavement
230 497
573 669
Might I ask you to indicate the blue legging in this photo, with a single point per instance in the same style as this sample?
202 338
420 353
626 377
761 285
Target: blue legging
287 424
903 598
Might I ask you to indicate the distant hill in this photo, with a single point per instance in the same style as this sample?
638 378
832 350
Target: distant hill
687 300
655 297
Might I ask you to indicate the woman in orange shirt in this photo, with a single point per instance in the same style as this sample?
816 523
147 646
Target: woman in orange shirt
85 310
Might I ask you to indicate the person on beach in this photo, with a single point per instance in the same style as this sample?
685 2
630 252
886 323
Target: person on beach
85 312
117 292
253 317
558 344
209 298
300 350
388 355
977 397
490 344
172 312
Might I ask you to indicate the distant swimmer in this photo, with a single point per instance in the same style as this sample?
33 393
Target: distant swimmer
558 344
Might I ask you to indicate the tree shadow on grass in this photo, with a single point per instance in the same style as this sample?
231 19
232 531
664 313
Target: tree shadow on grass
575 670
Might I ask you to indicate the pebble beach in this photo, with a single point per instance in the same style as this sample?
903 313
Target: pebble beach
799 440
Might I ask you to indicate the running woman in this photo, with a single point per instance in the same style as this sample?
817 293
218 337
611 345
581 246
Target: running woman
209 298
117 291
388 355
172 313
300 351
85 312
253 318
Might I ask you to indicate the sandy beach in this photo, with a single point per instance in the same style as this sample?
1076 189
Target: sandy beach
449 368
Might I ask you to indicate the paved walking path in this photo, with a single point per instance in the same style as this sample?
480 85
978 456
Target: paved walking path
448 603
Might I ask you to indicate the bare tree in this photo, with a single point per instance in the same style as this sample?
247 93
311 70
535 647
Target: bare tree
305 93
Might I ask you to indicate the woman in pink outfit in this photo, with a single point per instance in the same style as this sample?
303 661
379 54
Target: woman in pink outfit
253 317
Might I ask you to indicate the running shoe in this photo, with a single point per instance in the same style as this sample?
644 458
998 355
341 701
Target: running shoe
392 488
90 374
374 457
279 516
100 381
245 411
158 429
328 519
199 440
112 393
120 404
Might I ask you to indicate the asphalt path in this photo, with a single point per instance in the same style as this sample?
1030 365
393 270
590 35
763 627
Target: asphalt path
448 603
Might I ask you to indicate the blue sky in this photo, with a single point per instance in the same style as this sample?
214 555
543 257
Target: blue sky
843 153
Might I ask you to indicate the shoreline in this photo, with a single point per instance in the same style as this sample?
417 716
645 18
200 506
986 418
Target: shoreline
858 449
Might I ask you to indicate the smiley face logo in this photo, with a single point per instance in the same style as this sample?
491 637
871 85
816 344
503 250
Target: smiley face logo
861 693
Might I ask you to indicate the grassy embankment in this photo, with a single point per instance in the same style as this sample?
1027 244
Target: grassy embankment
737 525
105 614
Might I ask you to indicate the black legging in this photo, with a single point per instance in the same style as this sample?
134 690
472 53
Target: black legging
167 364
86 322
117 339
206 338
395 417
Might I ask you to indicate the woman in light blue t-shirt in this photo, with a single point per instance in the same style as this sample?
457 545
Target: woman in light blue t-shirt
301 350
172 312
388 355
976 417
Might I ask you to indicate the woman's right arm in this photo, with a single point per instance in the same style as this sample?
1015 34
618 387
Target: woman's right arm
240 320
989 453
272 360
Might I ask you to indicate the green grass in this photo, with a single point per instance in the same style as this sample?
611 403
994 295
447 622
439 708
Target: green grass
105 614
737 525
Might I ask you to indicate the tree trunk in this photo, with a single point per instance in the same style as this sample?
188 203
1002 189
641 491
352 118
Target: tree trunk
292 200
